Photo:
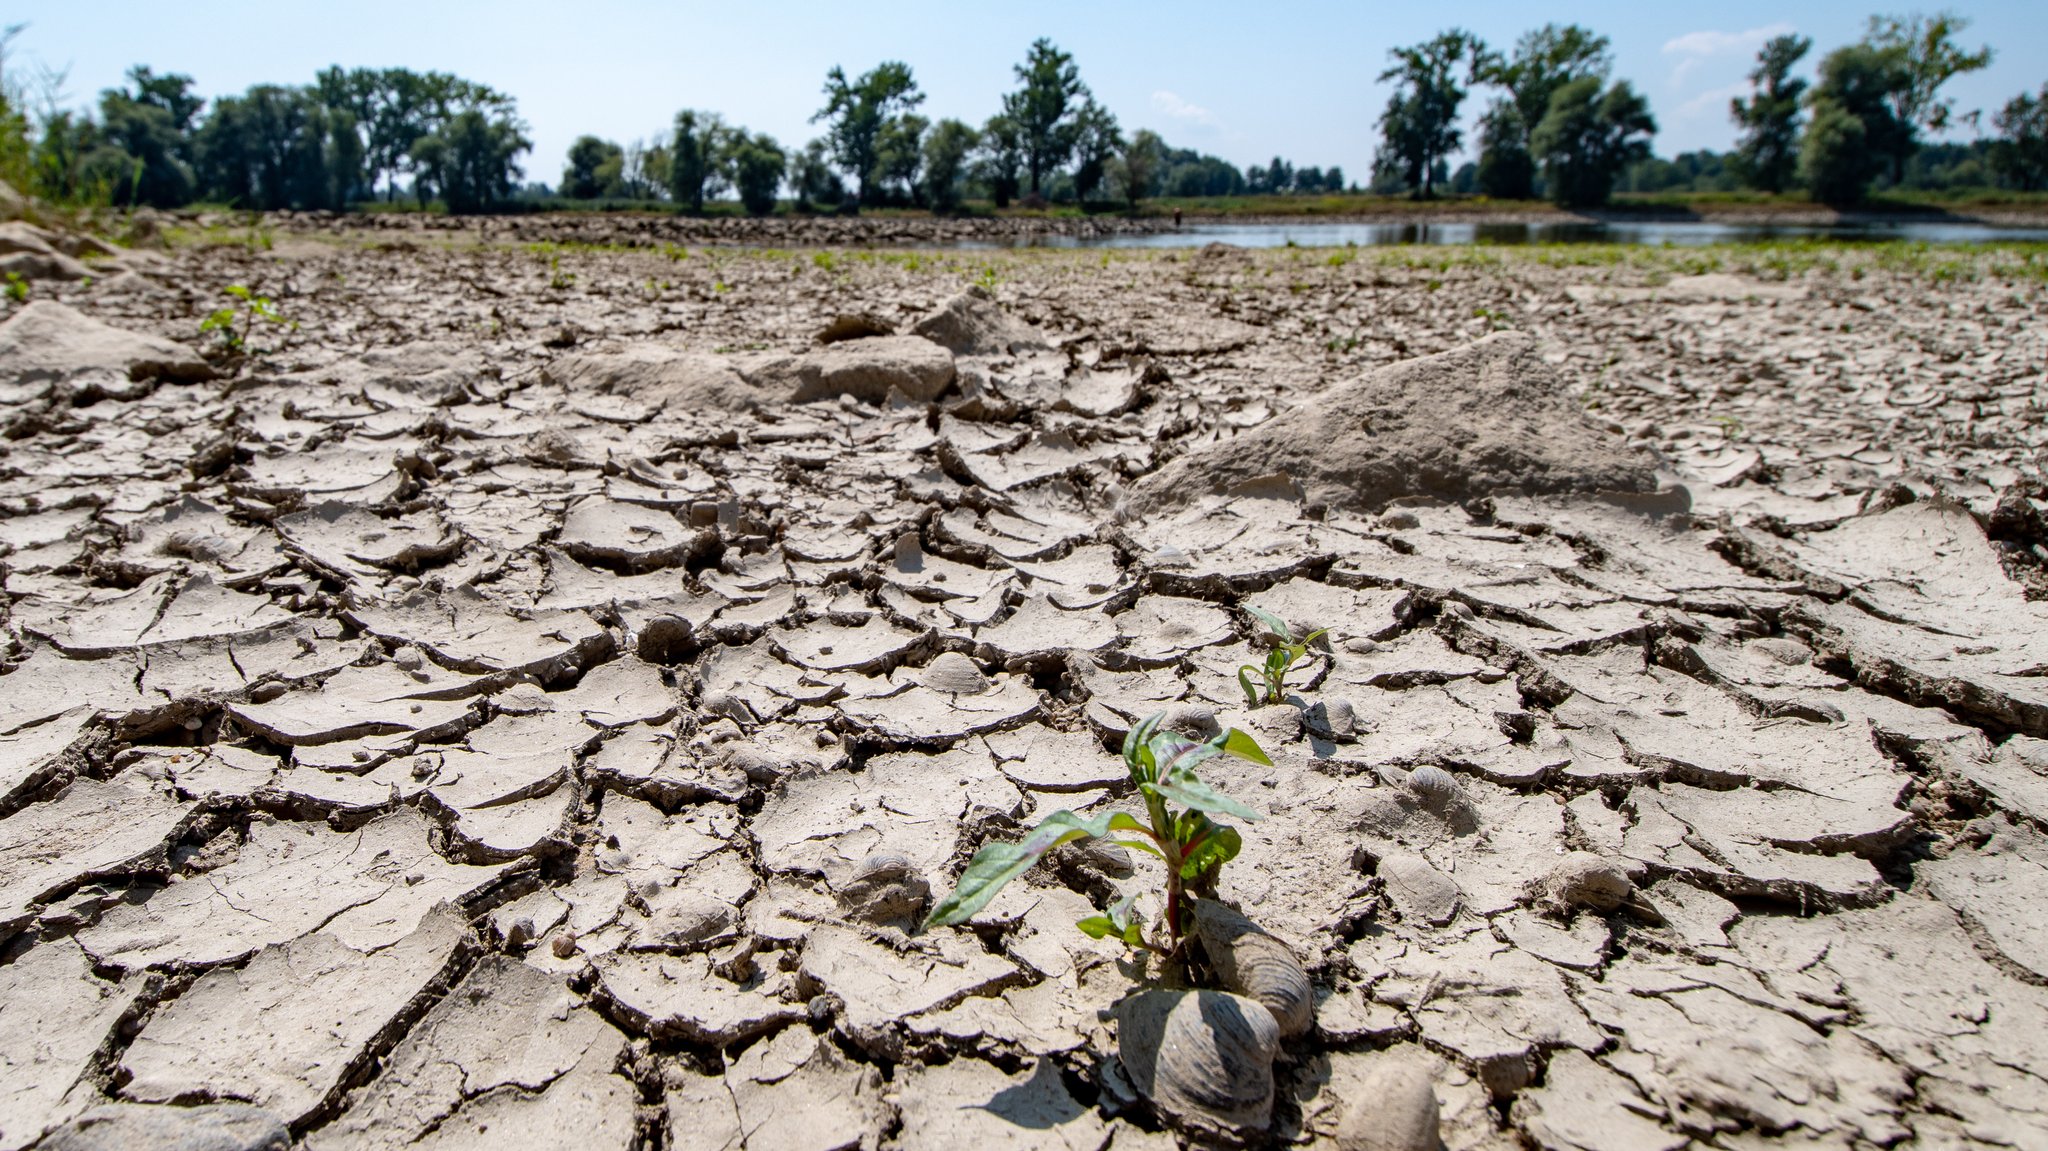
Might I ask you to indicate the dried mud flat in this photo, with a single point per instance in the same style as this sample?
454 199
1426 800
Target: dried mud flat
536 701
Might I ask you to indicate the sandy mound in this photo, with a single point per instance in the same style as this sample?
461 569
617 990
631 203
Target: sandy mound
48 340
652 373
1488 417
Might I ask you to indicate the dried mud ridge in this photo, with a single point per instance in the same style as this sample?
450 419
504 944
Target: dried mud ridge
533 710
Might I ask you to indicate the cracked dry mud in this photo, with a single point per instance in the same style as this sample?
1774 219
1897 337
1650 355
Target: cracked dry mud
537 702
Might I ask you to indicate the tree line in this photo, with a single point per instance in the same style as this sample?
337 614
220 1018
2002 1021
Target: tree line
326 145
1558 126
1050 141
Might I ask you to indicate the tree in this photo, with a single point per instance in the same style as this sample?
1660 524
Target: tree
1923 57
1097 141
584 177
696 157
1543 61
1000 157
756 162
1837 162
2020 154
473 159
1136 172
899 157
946 148
812 179
1420 124
147 132
1587 137
1767 155
1049 93
856 114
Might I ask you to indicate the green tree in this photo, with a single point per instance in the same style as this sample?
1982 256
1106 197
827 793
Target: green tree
1136 172
697 157
148 130
1543 61
946 148
1587 137
1001 158
1837 162
1923 55
472 161
1420 124
899 157
856 112
1043 109
584 177
2020 154
812 179
1767 155
1097 141
755 163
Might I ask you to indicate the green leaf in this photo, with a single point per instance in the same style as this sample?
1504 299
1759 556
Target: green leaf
1273 623
238 291
1195 795
1244 747
999 863
1217 848
1314 635
1244 680
1182 755
1098 926
1140 845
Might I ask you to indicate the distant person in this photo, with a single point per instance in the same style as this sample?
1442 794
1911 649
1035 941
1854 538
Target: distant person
1176 219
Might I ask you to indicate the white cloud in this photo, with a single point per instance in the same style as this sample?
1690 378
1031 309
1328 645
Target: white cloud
1714 100
1698 47
1712 43
1170 105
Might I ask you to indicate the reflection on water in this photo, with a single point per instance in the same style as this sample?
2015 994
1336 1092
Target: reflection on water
1677 232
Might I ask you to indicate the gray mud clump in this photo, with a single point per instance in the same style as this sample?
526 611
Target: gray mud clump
1485 418
542 698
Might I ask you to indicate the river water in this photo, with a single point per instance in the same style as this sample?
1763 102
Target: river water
1681 233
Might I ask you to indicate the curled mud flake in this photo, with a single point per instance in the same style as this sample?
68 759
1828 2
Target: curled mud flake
1256 964
1204 1059
1391 1107
226 1126
1583 879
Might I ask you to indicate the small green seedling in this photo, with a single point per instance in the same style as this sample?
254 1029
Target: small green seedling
1285 653
236 324
17 288
1193 846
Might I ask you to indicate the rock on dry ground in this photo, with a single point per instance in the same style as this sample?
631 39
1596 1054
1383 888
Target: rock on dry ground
535 698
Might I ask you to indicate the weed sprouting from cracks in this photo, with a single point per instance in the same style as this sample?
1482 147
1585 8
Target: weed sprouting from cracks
17 288
237 322
1193 845
1267 684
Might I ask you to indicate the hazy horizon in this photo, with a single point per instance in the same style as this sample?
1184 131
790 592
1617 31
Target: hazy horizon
1202 75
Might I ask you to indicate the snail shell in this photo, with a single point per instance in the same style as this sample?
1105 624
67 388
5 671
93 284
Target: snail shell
885 888
1192 720
1583 879
1434 784
1256 964
954 674
1204 1058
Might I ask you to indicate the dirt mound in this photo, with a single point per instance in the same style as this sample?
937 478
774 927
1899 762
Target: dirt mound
972 324
1488 417
49 340
652 373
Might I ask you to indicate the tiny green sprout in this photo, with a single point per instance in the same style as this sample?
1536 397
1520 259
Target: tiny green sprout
1193 846
1280 659
253 307
17 288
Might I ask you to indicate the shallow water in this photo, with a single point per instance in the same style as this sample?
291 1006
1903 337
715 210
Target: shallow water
1686 233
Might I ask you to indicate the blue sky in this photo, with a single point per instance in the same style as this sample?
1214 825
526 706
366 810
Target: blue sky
1241 80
